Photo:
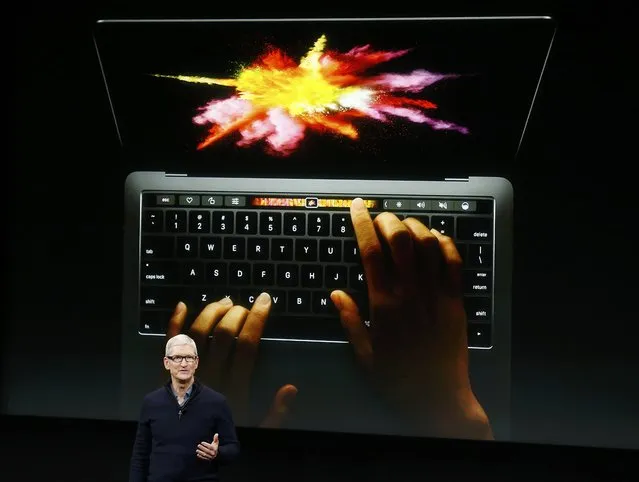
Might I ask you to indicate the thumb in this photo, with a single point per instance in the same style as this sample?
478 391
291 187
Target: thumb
216 439
280 408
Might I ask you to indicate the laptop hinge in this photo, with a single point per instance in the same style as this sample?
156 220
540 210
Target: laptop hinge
175 174
460 179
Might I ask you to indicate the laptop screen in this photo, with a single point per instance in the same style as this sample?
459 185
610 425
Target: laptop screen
399 98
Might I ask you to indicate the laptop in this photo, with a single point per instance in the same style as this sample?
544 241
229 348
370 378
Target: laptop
245 141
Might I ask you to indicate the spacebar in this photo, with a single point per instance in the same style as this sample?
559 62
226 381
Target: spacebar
304 328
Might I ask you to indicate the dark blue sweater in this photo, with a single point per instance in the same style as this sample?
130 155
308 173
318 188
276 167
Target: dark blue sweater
167 436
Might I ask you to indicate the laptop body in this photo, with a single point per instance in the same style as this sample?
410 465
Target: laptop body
207 215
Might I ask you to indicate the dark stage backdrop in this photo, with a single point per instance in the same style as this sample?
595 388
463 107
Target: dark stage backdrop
573 360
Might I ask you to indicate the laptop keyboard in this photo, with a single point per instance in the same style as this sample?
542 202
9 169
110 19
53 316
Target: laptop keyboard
199 247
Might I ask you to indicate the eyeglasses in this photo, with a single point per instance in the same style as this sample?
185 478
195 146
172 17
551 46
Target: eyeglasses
180 358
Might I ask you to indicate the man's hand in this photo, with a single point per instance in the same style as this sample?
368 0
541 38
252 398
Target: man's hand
227 360
416 349
208 451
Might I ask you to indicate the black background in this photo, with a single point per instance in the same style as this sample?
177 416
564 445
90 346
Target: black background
574 375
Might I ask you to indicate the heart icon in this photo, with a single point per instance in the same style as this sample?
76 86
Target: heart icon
189 200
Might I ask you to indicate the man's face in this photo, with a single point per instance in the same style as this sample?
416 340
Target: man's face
181 362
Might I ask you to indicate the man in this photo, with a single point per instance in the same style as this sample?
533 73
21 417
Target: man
185 429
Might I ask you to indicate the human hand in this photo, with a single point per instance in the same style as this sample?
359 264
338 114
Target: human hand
416 349
228 358
208 451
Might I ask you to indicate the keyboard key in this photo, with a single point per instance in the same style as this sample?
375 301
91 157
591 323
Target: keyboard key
474 228
239 274
322 303
225 292
330 250
234 248
342 226
222 222
299 301
165 199
264 274
176 221
336 277
159 297
154 322
189 200
357 279
305 250
246 223
287 275
479 335
187 247
152 221
311 276
257 248
480 255
247 297
157 246
211 247
478 282
319 224
160 272
278 301
478 308
294 224
200 222
193 273
235 201
282 249
351 252
211 201
216 273
271 223
444 224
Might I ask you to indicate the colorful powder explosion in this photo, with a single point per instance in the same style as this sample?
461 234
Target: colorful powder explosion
277 100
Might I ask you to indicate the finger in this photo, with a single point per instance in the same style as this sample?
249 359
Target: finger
281 407
219 351
369 247
203 455
428 252
216 439
246 350
206 320
205 449
176 322
452 263
356 332
400 242
225 332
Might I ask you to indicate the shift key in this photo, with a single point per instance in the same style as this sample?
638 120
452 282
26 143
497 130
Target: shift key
160 272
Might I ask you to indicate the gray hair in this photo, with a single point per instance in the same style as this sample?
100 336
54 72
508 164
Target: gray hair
178 340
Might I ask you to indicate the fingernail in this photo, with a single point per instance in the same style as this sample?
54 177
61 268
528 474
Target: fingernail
263 299
358 203
337 300
226 301
289 397
179 308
